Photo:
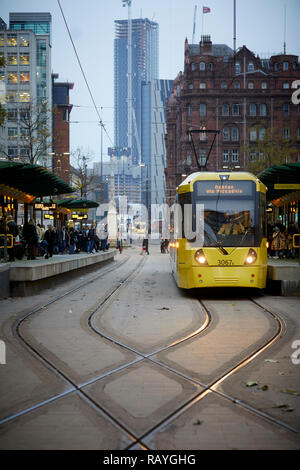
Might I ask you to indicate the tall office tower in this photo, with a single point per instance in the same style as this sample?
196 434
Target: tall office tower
144 55
154 97
26 47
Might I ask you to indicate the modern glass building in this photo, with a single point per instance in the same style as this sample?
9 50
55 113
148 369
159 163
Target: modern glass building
144 69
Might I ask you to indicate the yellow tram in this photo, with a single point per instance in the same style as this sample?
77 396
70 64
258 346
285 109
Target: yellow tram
220 240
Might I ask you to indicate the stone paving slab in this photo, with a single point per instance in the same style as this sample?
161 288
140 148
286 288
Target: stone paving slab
69 423
214 423
142 395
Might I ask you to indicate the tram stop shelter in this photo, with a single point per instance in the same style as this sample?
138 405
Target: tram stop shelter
24 182
283 195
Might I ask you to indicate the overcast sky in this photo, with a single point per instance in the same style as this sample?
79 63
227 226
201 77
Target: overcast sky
260 26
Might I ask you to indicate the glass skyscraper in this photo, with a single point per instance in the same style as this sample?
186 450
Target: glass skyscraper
144 69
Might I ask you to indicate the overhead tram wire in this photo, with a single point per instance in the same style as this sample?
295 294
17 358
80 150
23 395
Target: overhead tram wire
82 71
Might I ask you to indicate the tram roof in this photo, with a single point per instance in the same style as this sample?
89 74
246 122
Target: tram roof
185 185
282 181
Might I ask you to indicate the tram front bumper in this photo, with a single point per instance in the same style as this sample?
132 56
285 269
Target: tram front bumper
215 276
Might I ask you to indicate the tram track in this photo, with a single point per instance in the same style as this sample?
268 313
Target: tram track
212 387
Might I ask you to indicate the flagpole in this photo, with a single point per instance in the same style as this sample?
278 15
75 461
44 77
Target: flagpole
202 22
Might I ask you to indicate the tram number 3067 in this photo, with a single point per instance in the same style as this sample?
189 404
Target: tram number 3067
225 262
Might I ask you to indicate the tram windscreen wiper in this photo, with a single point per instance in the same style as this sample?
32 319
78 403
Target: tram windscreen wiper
225 252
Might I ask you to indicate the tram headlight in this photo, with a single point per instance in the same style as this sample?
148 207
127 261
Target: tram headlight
251 257
200 257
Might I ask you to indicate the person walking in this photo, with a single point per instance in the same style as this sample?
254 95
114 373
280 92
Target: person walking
278 243
50 237
145 245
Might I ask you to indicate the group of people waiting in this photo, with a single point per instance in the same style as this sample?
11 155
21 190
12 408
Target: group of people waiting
280 240
35 240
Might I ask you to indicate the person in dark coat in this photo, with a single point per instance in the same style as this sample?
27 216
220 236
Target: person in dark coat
145 245
30 235
14 231
50 237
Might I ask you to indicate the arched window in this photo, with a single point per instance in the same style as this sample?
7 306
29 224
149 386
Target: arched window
237 68
252 109
235 134
225 109
226 134
202 109
202 66
263 109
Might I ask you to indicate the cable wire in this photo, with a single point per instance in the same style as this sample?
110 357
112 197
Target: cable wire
82 71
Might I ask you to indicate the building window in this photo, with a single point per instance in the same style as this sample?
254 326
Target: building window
12 132
237 85
237 68
253 135
1 40
202 109
262 133
178 90
12 115
191 86
226 134
223 85
24 152
202 157
286 109
286 85
250 85
211 67
225 109
263 109
225 156
24 40
252 155
276 66
285 65
12 152
24 59
12 40
235 134
235 155
24 77
12 96
193 66
202 66
202 85
250 67
252 109
264 85
298 133
12 59
24 96
12 78
189 110
235 109
286 133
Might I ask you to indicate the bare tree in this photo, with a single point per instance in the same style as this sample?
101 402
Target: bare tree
34 130
83 179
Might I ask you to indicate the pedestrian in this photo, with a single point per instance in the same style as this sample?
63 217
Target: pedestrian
62 235
72 240
30 235
50 237
145 246
278 243
14 231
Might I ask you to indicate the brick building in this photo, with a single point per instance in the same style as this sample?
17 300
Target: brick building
61 128
240 95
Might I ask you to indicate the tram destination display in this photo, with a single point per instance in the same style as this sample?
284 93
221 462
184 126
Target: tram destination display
223 188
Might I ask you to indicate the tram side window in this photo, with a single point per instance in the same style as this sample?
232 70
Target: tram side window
262 215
